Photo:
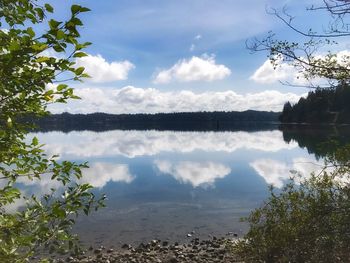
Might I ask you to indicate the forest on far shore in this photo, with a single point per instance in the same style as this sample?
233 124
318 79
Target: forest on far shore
320 106
201 121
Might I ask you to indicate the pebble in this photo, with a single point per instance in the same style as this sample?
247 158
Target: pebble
157 251
165 243
97 251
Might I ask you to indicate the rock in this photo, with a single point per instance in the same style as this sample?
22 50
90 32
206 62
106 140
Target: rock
165 243
173 260
156 251
189 235
210 249
215 245
97 251
126 246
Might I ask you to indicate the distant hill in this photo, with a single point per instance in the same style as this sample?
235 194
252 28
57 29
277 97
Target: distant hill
320 106
182 121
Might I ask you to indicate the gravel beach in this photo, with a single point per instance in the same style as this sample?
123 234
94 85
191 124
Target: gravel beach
157 251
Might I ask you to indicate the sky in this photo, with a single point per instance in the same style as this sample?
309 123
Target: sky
183 55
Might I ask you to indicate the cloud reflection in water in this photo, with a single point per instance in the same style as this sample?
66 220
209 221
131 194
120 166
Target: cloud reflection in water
147 143
198 174
100 173
276 173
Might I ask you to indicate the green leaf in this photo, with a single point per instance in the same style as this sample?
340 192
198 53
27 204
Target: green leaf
39 47
59 212
42 59
30 32
75 9
49 8
84 9
61 87
60 34
54 24
35 141
9 122
79 54
79 70
14 45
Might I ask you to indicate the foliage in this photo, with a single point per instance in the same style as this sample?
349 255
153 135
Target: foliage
306 222
310 57
31 79
320 106
309 219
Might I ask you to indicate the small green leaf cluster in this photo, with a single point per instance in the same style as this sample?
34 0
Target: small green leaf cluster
306 222
31 79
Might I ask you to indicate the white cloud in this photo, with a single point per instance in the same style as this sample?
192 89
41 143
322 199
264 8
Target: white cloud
197 174
85 144
343 58
196 39
102 71
137 100
267 74
195 69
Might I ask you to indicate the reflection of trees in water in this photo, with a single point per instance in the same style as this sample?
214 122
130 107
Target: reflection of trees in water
318 140
181 121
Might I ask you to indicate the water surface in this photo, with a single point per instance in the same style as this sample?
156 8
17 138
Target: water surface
164 184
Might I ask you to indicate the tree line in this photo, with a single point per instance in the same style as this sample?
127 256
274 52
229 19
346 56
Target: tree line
179 121
320 106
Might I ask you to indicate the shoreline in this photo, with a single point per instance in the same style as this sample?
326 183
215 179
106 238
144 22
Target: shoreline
215 249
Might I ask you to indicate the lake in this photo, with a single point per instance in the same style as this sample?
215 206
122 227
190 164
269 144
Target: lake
166 184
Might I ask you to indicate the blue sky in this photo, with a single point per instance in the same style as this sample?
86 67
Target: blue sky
182 55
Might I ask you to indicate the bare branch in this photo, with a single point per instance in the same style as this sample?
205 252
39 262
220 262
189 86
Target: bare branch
287 19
